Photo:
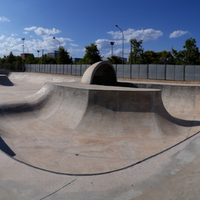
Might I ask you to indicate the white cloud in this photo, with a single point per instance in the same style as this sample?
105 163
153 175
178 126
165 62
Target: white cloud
178 33
25 32
45 41
71 50
104 44
117 52
74 45
14 34
2 37
30 29
4 19
42 31
147 34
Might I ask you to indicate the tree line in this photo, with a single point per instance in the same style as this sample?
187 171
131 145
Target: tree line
190 55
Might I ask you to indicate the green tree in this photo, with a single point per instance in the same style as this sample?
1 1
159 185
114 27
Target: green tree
2 60
18 63
178 57
63 56
188 56
114 60
47 60
137 51
11 58
30 60
91 56
149 57
165 57
191 52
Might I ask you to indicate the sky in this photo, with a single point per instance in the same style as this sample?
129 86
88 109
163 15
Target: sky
78 23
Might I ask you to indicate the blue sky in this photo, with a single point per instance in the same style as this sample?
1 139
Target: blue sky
78 23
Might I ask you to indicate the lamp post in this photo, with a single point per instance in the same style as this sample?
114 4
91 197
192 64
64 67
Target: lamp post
38 53
7 50
23 55
57 40
122 43
112 43
23 44
27 49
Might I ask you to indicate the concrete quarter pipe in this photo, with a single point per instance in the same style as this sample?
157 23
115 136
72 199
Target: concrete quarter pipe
96 126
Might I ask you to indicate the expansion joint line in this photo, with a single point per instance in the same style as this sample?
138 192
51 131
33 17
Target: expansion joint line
58 190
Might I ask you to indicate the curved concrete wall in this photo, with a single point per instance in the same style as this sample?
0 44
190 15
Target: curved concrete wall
100 73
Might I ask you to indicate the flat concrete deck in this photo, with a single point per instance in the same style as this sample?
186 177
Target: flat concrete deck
84 142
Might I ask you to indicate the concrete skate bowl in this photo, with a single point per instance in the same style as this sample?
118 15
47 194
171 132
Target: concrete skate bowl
86 128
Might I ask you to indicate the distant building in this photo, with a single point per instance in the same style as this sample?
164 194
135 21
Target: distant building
125 59
53 54
25 55
75 59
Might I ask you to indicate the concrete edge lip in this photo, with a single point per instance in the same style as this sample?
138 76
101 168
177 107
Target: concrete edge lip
80 85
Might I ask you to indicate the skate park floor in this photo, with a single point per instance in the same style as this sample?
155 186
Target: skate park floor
170 173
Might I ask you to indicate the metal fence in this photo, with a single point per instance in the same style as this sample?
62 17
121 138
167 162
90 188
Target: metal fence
140 71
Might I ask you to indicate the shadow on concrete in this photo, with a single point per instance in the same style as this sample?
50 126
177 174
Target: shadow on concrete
4 72
4 80
136 102
5 148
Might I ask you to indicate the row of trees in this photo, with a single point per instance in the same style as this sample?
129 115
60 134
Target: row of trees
190 55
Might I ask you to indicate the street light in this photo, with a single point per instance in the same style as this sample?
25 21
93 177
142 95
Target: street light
8 50
112 43
38 53
122 43
57 40
27 48
23 55
23 44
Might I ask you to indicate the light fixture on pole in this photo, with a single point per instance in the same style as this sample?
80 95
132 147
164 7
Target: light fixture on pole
122 43
23 55
8 50
23 44
57 40
112 43
38 53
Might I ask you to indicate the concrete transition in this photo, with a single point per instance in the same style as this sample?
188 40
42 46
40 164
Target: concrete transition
95 138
